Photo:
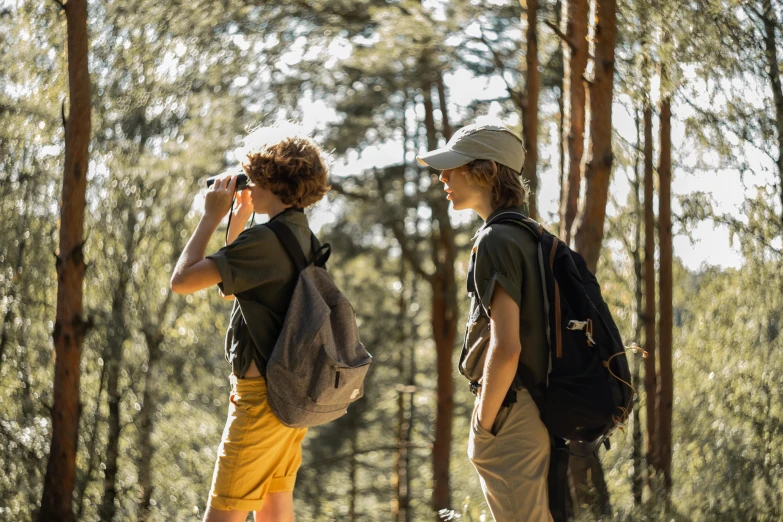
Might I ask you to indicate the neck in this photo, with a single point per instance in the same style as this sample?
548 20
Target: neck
276 207
484 208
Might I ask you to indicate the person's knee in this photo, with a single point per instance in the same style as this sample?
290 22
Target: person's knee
278 507
220 515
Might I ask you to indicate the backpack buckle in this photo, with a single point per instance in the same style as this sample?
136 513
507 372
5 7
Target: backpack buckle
587 326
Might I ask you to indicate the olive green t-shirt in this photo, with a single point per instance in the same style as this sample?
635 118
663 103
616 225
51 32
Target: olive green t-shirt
507 254
258 271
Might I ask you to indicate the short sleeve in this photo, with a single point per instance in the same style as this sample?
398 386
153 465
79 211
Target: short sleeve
246 263
499 260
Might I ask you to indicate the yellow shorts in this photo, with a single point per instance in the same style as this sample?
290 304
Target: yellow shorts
257 455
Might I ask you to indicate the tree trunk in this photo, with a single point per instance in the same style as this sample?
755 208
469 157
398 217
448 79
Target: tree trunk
530 124
445 125
70 327
666 394
117 336
18 288
637 480
154 338
92 445
354 477
561 142
443 320
650 372
773 71
598 172
574 65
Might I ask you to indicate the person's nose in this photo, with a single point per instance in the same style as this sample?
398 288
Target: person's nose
443 177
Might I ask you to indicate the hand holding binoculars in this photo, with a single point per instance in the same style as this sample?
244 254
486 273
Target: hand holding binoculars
241 180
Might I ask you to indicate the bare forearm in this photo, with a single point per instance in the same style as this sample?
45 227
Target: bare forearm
238 223
499 371
196 248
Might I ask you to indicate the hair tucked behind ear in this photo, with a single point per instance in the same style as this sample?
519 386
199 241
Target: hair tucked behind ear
292 169
508 190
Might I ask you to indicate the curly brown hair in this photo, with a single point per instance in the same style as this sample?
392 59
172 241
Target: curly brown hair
508 189
292 169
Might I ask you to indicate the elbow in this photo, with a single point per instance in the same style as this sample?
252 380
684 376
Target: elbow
177 285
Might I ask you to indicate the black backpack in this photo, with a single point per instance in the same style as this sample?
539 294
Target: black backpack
588 392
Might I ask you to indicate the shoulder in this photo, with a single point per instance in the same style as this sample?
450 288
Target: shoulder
499 237
256 233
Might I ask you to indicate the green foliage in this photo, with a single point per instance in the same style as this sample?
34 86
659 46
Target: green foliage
174 85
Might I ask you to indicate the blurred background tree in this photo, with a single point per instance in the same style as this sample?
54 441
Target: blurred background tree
636 114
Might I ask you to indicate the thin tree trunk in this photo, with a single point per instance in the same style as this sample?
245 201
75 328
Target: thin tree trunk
354 476
154 339
92 445
666 393
637 480
398 478
411 417
650 373
598 171
445 125
398 481
530 124
17 288
561 142
574 65
773 71
70 327
118 335
444 323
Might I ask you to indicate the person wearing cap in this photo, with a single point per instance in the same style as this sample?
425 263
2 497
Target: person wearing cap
508 443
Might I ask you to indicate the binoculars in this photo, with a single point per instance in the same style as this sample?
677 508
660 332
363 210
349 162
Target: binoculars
241 181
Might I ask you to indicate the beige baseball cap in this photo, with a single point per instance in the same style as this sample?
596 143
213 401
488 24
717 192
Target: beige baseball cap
472 142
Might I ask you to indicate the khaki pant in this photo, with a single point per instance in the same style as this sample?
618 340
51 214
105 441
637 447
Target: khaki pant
513 462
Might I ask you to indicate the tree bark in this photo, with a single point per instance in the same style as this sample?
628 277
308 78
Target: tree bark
561 142
92 445
638 476
773 71
530 124
117 336
443 320
574 65
17 288
70 327
154 338
650 372
598 172
666 393
444 111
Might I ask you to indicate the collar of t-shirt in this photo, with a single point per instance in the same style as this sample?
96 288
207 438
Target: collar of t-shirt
522 209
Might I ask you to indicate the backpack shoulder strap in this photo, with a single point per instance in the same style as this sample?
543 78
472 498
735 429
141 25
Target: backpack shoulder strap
515 217
290 243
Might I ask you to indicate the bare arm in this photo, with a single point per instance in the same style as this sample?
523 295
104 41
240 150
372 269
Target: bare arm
241 215
193 272
502 356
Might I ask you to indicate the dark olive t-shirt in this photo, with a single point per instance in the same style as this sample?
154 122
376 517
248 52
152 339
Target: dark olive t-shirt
257 270
507 254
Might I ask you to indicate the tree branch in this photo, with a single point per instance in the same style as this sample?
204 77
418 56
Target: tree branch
570 43
409 254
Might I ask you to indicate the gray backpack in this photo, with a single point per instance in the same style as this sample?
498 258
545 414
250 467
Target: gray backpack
317 366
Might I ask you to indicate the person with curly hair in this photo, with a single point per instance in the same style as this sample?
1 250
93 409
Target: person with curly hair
258 457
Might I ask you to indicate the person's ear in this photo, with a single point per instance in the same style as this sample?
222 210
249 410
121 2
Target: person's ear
494 169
